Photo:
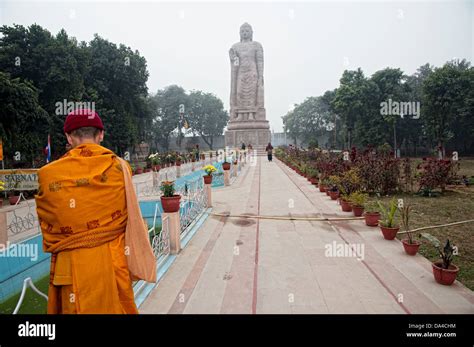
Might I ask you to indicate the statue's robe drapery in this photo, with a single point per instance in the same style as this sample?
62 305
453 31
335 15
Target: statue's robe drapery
83 214
246 76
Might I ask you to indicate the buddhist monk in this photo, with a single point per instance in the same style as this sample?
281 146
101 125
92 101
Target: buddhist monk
82 210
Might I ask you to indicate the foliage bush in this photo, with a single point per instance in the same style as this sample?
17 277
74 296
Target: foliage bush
436 173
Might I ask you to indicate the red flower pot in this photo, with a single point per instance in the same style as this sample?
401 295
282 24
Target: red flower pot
444 276
13 199
170 204
139 171
322 188
411 248
157 167
372 218
346 206
389 233
358 211
314 181
226 166
178 163
328 192
207 179
334 195
308 178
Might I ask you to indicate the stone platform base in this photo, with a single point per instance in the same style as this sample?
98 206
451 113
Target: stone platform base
255 137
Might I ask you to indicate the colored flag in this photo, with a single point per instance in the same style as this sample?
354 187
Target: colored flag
47 150
1 150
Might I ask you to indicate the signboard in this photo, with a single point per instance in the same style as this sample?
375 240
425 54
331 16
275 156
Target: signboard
20 179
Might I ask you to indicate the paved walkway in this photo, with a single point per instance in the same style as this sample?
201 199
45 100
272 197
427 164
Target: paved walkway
272 266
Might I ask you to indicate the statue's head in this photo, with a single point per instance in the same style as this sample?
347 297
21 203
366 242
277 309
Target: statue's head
246 32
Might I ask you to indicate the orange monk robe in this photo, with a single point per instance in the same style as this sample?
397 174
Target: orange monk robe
83 214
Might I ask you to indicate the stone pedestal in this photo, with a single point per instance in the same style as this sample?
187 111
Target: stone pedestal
174 226
208 190
3 228
227 177
255 137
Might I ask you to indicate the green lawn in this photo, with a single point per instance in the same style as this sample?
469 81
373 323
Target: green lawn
456 204
32 303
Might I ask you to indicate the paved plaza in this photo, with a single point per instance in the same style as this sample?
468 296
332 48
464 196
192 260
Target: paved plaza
250 265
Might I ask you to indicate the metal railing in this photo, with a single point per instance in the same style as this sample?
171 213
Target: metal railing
19 224
193 203
27 282
160 239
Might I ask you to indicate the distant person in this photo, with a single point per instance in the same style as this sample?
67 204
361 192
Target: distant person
243 146
269 150
197 152
250 147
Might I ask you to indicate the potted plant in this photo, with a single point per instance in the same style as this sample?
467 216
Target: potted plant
209 169
323 183
2 188
358 200
410 245
443 271
225 164
155 161
139 170
312 175
387 223
372 214
333 192
169 200
13 197
179 159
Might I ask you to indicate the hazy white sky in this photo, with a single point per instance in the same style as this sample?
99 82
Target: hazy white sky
307 45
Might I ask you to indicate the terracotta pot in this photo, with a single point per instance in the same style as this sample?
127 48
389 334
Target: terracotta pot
226 166
314 181
334 195
444 276
346 206
322 188
13 199
357 210
411 248
372 218
170 204
178 163
139 171
157 167
389 233
328 192
207 179
309 179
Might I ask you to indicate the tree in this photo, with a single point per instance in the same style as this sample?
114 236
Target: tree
167 113
207 116
23 122
350 100
390 86
448 100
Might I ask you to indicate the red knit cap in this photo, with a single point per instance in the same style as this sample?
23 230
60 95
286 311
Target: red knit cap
82 118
